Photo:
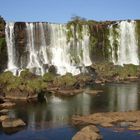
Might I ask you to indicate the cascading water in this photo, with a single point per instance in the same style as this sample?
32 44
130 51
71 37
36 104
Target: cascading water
127 46
60 49
10 39
47 45
85 43
37 56
43 49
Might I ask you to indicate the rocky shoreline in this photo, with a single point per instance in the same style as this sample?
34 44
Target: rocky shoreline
9 125
110 119
120 120
28 86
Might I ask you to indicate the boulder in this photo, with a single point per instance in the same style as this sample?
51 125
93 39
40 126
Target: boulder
110 119
90 128
12 123
4 111
3 117
7 105
88 133
83 80
106 124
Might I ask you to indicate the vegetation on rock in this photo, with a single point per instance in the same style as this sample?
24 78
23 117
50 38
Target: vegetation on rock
24 86
138 33
108 70
67 80
48 77
99 45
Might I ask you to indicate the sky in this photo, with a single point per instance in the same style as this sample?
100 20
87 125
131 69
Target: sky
61 11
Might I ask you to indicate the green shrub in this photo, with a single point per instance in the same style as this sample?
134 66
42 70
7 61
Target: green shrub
67 80
7 77
127 71
36 85
26 74
48 77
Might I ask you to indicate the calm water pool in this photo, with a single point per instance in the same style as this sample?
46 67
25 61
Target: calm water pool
50 119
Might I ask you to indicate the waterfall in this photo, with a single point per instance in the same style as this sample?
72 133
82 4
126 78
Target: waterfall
126 50
85 50
60 50
43 49
37 54
33 61
46 45
10 39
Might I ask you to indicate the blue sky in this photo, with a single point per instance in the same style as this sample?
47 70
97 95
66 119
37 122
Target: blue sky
61 11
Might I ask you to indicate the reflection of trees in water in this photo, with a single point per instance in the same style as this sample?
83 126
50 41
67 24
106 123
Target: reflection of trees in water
58 111
123 97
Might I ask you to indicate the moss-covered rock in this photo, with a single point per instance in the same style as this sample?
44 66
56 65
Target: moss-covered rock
110 71
22 87
27 75
7 78
48 77
127 71
65 81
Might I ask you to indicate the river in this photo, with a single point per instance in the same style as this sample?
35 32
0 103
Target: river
50 119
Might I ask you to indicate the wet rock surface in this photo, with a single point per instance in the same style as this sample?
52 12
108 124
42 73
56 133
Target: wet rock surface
18 95
7 104
93 92
10 123
90 132
3 117
69 92
4 111
131 119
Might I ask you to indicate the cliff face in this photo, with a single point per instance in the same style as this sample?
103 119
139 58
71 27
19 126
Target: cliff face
20 42
138 34
3 48
112 41
69 47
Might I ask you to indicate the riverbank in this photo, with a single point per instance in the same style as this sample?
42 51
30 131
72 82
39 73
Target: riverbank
119 120
29 86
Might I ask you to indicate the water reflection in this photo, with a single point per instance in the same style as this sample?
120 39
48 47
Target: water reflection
57 112
123 97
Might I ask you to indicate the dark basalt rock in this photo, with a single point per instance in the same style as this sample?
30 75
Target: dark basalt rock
3 48
20 43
